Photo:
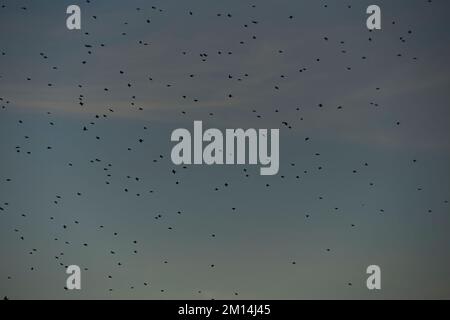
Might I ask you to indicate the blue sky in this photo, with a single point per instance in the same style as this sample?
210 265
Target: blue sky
377 213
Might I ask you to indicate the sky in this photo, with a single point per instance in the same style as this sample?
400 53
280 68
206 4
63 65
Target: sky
364 149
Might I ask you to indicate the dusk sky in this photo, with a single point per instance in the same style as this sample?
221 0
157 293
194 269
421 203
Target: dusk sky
86 176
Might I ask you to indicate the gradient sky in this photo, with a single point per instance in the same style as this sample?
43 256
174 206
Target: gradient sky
398 203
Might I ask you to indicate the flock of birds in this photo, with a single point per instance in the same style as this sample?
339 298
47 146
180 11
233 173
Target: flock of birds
89 127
